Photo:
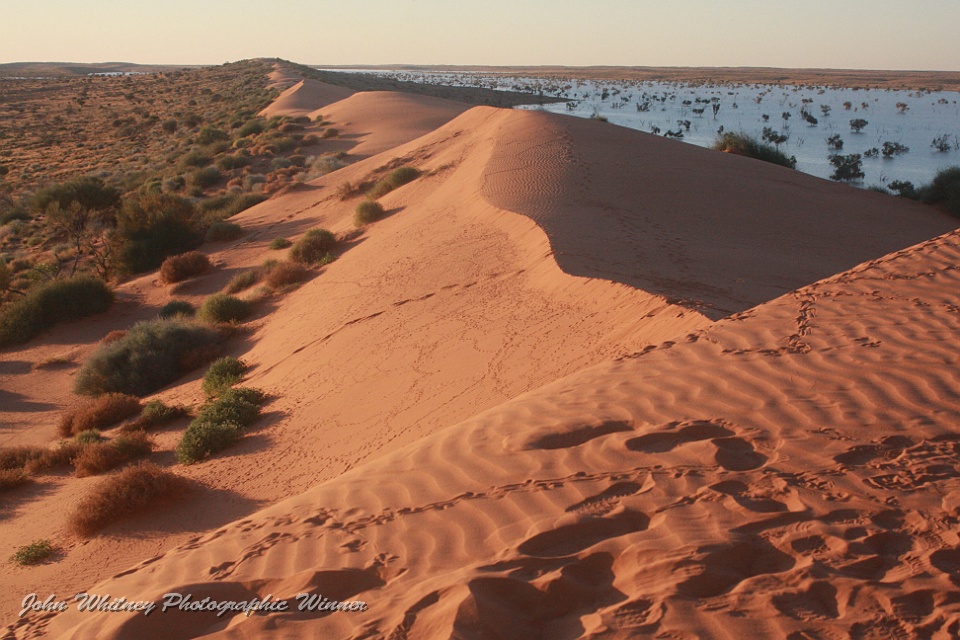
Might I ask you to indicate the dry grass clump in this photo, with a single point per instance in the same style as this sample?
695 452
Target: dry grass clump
243 280
224 308
12 478
220 231
132 490
155 414
113 336
366 212
98 413
183 266
284 274
47 304
97 458
396 178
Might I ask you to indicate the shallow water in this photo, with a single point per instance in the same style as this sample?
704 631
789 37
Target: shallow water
909 118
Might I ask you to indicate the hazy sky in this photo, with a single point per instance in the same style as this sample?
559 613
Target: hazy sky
866 34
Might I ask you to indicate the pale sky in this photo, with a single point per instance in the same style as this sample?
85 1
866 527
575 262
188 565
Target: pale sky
852 34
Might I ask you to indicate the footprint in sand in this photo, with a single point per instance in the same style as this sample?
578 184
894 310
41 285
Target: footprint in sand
576 537
733 453
726 566
605 501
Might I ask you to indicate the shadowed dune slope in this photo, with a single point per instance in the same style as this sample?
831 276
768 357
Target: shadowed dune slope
789 472
718 232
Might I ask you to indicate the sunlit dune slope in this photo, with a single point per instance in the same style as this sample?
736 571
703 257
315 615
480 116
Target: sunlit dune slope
791 472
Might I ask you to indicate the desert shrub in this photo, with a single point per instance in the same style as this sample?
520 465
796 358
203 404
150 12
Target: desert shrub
33 553
52 302
12 478
367 212
194 158
402 175
231 406
209 135
233 161
252 127
186 265
221 307
155 413
280 243
153 354
97 458
313 246
205 177
945 190
330 133
169 126
88 436
134 489
88 192
220 231
743 145
222 374
280 163
905 189
381 188
152 228
57 458
98 413
284 274
17 458
245 394
176 308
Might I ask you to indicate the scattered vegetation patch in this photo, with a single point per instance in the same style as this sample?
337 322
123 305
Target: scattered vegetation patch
313 247
186 265
154 353
222 374
132 490
743 145
33 553
50 303
396 178
222 307
98 413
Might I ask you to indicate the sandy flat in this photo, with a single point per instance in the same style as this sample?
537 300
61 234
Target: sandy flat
577 383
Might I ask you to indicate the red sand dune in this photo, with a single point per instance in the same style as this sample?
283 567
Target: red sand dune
505 411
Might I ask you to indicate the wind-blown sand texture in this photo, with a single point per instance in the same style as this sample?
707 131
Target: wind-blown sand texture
519 405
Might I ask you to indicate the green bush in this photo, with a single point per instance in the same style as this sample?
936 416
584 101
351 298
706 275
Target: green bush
243 280
153 354
155 413
203 439
743 145
222 374
313 246
210 135
152 228
234 161
221 307
330 133
194 158
402 175
176 308
220 231
252 127
246 394
367 212
280 243
50 303
33 553
226 206
945 190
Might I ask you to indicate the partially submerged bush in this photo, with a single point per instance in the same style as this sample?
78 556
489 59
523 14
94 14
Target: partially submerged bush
134 489
176 308
183 266
153 354
98 413
53 302
222 307
100 457
220 231
743 145
314 246
945 190
222 374
366 212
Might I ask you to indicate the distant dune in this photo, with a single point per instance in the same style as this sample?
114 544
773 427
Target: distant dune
580 382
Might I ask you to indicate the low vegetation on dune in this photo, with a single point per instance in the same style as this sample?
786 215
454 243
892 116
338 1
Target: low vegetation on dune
33 553
743 145
99 457
366 212
153 354
220 423
155 413
55 301
222 375
133 490
186 265
314 247
224 308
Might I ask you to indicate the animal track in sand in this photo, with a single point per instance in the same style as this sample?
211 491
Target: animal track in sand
573 538
578 436
605 501
726 566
